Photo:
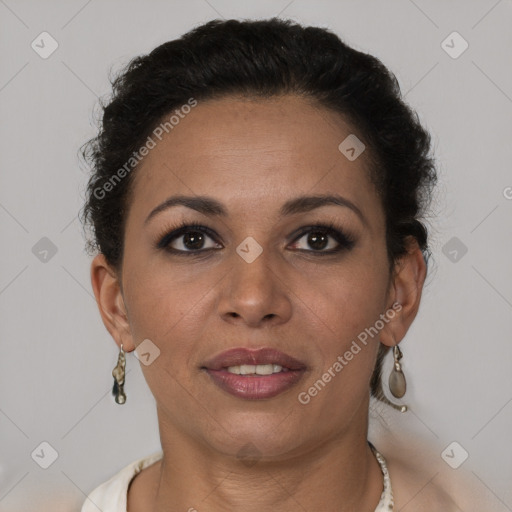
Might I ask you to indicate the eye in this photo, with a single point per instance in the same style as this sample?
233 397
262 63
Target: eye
189 238
323 239
194 238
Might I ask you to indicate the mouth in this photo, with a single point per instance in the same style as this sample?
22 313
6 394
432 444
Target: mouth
254 374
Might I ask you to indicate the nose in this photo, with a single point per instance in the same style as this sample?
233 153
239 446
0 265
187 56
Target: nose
255 293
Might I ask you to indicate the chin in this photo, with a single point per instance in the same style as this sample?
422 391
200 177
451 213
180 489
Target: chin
256 436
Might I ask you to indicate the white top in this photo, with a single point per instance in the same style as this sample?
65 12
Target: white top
111 495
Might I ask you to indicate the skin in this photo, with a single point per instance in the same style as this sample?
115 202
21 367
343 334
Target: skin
252 156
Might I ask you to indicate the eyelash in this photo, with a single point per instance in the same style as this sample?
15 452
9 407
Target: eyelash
345 241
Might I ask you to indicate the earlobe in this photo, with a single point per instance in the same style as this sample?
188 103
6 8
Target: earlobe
406 289
107 290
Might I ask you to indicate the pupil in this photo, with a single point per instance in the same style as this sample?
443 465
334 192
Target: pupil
193 240
317 240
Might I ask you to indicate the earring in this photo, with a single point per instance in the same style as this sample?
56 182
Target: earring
397 384
118 374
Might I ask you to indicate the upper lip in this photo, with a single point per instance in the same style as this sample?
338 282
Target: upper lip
239 356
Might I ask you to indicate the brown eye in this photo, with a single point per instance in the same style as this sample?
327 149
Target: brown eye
192 240
189 239
324 239
318 240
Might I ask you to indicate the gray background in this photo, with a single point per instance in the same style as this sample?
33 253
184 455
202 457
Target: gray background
56 357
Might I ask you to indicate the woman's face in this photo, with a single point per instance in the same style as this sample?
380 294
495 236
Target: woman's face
256 279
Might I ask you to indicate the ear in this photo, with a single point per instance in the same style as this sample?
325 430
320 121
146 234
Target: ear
406 286
108 293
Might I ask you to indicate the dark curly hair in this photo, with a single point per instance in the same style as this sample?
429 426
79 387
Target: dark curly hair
262 59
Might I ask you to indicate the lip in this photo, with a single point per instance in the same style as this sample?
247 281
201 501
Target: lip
255 387
238 356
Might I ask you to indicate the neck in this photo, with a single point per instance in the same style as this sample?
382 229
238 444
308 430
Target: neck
340 475
284 487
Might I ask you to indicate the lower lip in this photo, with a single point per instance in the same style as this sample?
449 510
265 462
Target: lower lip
255 387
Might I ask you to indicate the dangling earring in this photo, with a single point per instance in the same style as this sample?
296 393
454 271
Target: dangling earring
397 384
118 374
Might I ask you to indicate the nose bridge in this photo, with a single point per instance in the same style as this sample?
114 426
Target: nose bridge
251 275
254 292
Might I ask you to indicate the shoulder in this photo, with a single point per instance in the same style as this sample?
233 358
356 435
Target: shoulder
433 497
110 496
418 490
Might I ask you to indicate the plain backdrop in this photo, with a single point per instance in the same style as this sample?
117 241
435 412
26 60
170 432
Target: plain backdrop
56 357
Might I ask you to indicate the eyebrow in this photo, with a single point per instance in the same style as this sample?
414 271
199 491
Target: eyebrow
302 204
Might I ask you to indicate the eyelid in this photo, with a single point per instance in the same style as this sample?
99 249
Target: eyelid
344 239
171 233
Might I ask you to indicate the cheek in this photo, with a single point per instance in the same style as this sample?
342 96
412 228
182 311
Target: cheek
350 300
163 297
165 307
173 306
358 301
349 305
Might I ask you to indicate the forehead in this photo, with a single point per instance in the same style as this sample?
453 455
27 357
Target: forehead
253 152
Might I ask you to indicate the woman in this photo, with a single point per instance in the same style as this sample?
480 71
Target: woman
256 207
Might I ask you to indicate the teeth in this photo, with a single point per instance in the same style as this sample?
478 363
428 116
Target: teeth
258 369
